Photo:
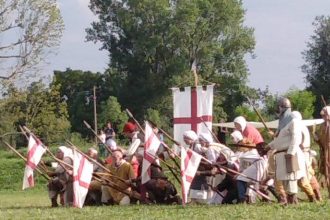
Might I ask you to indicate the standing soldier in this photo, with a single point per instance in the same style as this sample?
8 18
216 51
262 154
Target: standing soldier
323 139
286 147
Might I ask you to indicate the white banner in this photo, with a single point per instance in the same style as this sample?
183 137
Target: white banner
191 108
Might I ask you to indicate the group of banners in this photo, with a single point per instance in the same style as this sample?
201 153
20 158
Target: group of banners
192 111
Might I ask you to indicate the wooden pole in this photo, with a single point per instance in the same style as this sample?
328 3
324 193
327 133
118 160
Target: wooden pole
94 161
138 124
259 115
95 113
210 130
97 137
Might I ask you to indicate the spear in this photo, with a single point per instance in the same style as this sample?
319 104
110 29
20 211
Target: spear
210 130
94 161
323 101
259 115
169 150
98 137
167 165
252 146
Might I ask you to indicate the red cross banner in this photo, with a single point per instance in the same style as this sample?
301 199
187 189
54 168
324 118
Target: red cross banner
189 163
191 107
82 176
151 145
34 154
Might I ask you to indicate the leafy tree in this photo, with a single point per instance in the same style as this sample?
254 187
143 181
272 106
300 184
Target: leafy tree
77 87
39 108
111 111
317 61
302 101
28 29
153 44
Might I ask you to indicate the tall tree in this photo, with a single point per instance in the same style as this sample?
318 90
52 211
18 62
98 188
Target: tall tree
317 61
28 29
40 108
77 87
153 44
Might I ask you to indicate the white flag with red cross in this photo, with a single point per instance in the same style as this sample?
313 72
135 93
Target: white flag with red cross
151 145
192 106
189 163
34 154
82 176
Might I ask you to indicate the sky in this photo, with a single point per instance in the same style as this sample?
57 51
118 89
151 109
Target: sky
282 29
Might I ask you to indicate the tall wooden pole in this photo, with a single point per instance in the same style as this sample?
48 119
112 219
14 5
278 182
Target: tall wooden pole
95 114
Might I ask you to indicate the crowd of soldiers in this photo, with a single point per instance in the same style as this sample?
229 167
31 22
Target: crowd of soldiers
255 170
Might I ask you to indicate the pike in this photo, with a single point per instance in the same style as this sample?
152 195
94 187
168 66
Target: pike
72 146
22 157
210 130
323 101
167 165
252 146
259 115
215 190
222 168
107 182
165 145
94 132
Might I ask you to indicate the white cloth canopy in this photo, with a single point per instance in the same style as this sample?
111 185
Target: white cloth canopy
270 124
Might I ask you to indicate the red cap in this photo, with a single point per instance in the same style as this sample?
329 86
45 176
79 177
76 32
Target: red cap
129 127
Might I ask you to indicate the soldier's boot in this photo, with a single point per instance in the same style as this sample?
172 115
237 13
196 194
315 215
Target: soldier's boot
318 195
283 200
54 202
311 198
292 199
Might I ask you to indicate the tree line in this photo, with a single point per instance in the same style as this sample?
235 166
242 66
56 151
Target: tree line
153 45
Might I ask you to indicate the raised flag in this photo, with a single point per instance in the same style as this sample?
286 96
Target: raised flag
189 163
151 145
82 176
192 106
34 154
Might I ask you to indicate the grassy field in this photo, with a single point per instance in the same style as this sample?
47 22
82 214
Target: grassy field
34 204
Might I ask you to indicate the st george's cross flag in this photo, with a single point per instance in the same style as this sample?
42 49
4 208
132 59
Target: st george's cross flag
192 106
82 176
34 154
189 163
151 145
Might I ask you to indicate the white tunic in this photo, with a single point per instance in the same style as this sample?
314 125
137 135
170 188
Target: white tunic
289 140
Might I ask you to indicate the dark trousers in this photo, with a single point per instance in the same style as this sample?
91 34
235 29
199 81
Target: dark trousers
241 187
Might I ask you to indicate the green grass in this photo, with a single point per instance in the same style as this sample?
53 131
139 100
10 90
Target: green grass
34 204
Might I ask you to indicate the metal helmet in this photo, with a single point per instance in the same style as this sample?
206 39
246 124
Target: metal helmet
284 103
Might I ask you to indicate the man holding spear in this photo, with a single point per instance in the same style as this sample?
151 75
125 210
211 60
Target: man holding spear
62 181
